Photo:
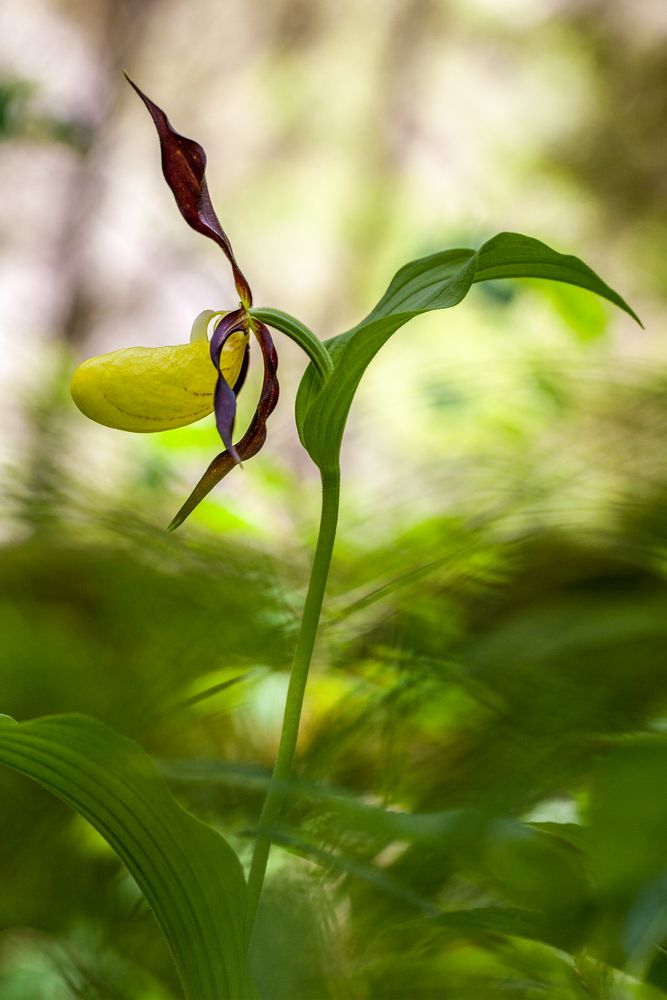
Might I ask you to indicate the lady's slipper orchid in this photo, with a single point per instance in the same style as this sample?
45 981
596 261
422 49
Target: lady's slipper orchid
159 388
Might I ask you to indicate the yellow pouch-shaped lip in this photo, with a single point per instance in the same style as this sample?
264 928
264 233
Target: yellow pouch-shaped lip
154 388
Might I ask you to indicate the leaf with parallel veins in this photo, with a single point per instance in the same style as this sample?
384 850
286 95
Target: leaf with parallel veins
190 876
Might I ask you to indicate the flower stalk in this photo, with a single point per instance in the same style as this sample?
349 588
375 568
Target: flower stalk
295 693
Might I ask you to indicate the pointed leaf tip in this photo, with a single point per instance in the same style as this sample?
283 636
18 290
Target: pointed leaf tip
513 255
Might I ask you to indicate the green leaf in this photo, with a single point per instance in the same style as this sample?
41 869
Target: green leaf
628 816
436 282
188 873
506 920
513 921
626 843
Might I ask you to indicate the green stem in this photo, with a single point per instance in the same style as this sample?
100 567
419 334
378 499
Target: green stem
295 692
300 334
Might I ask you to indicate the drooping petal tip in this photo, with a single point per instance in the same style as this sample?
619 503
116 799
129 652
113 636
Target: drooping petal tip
253 439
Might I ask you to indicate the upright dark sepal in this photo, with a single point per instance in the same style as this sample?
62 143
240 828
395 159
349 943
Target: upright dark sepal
184 166
254 437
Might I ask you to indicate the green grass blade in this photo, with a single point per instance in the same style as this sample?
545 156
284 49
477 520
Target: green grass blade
188 873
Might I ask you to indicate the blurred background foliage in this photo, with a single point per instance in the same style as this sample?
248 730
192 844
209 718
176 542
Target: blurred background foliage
481 804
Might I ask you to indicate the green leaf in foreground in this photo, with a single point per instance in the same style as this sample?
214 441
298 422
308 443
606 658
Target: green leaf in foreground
190 876
439 281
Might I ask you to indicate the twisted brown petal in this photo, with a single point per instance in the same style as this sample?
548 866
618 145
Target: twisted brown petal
240 382
183 166
224 397
254 437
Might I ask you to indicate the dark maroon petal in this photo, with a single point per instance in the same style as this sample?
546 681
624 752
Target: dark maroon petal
183 166
270 389
220 466
224 405
224 397
232 322
240 382
254 437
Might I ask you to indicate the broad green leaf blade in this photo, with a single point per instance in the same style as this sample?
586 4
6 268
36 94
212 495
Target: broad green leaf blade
190 876
439 281
436 282
426 284
510 255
